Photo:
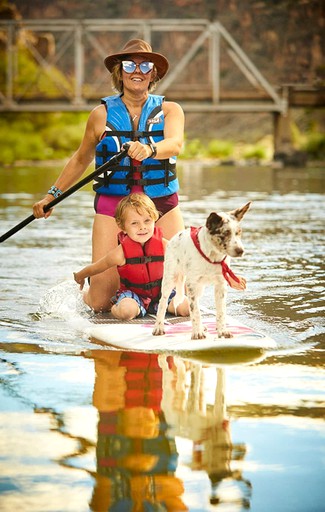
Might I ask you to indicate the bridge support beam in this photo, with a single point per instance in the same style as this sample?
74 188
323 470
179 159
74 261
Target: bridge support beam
284 150
282 132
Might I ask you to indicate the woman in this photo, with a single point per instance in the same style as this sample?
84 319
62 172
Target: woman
154 130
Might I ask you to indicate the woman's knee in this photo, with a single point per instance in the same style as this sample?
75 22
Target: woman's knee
99 303
183 309
102 288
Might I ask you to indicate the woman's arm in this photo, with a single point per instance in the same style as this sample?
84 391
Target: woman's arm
173 131
79 161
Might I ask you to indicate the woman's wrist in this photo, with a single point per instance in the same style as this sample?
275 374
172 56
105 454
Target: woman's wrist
54 191
153 150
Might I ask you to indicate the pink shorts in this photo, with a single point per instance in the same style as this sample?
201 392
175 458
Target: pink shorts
106 205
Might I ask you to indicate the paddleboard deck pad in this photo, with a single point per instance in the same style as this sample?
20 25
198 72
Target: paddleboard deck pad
136 335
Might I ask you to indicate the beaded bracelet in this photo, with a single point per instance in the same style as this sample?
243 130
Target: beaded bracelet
54 191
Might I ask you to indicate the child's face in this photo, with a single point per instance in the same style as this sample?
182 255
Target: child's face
138 226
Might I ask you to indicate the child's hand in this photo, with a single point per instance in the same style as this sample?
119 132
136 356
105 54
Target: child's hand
238 286
79 280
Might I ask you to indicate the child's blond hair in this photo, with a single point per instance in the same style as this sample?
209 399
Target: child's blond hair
140 202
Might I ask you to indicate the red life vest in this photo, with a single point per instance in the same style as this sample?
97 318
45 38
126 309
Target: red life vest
144 266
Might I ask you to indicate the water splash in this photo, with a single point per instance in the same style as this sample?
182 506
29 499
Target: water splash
63 301
63 318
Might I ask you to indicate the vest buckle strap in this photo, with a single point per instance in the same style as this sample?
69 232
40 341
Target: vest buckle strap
139 260
142 286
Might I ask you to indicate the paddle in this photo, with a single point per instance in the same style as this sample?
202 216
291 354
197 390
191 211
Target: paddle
113 161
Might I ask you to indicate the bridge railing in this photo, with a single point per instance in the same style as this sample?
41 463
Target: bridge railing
58 65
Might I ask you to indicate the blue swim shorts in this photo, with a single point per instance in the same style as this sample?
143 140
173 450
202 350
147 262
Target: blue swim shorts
128 294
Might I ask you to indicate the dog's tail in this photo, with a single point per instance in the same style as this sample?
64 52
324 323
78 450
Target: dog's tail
180 295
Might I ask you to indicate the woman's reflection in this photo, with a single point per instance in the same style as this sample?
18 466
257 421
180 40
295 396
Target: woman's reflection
136 458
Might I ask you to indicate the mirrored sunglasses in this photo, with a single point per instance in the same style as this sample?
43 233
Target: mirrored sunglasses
129 66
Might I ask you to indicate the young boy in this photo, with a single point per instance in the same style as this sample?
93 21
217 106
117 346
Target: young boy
139 259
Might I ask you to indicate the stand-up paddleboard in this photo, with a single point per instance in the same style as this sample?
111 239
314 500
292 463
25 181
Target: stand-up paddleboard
245 345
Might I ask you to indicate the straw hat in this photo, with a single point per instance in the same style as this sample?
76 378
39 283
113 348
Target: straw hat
143 49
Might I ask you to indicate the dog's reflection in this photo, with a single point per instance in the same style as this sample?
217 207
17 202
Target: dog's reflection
208 426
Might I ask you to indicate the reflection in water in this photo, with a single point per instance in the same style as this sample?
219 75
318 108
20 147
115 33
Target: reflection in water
177 434
136 457
208 426
144 402
199 180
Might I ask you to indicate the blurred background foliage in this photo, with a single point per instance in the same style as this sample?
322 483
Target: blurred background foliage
55 136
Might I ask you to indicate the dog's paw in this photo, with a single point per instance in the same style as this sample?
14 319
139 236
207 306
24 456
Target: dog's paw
158 330
198 335
225 334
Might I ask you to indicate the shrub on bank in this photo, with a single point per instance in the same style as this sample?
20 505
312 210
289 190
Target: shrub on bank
315 146
254 152
44 136
220 148
25 146
193 148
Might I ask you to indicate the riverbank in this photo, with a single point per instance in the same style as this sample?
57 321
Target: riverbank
55 136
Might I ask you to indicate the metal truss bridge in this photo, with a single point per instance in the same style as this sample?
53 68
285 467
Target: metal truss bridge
52 65
57 65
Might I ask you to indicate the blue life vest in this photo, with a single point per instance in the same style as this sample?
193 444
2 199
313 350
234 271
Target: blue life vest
158 177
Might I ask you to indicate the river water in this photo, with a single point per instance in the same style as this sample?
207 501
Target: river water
87 428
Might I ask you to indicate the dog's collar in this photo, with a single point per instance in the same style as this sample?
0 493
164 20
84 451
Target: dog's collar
226 271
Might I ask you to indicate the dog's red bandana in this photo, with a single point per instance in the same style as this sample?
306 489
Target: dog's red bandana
226 271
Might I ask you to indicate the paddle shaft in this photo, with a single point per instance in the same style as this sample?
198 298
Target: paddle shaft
113 161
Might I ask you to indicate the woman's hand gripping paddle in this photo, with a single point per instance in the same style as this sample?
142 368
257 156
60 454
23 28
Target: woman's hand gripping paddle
113 161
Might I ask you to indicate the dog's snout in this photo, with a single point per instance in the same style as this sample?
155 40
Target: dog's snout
239 251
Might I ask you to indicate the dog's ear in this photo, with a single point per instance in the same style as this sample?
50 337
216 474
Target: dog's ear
240 212
214 221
